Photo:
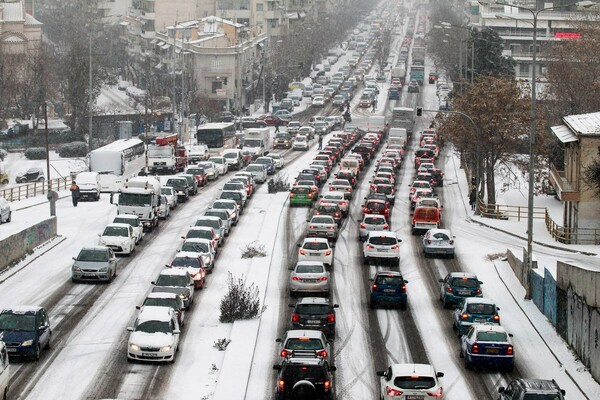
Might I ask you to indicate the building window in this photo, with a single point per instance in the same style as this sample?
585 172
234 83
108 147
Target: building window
259 6
515 48
524 69
216 85
273 23
537 48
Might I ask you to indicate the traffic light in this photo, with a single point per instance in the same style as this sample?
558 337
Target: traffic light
419 111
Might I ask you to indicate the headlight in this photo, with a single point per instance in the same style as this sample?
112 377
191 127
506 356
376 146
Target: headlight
206 260
134 347
165 349
183 296
124 243
27 343
102 241
76 268
105 269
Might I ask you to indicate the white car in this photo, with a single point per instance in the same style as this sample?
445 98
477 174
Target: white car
382 245
258 171
316 249
171 194
220 164
337 198
204 247
410 381
229 205
134 221
5 213
210 168
300 143
164 210
154 336
277 160
119 237
318 101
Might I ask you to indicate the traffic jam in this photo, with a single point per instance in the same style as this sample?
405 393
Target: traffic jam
362 192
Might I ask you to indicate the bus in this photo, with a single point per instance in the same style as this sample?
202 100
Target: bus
117 162
217 136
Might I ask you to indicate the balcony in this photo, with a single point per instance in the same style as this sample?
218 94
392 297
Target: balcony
565 190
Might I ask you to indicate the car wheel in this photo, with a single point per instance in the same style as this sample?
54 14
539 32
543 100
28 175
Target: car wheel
468 364
403 306
451 256
461 354
445 303
36 355
372 304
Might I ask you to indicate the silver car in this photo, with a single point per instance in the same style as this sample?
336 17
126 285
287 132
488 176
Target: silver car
94 263
210 168
227 222
372 222
438 241
309 277
229 205
204 247
337 198
322 226
258 171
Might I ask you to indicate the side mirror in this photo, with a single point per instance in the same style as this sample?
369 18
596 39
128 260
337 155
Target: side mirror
441 280
501 389
278 340
176 332
510 335
74 258
380 373
277 367
405 281
291 305
153 283
481 283
137 307
299 245
183 237
439 375
129 329
332 369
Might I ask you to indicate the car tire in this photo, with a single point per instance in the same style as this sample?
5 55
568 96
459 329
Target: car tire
36 355
372 304
468 364
403 306
460 354
445 303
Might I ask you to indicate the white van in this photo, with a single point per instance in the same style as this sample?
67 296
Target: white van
89 185
4 372
351 164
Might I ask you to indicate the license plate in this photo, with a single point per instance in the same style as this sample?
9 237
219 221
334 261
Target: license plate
149 355
11 349
315 254
382 250
313 321
463 293
389 290
492 351
309 280
414 397
480 320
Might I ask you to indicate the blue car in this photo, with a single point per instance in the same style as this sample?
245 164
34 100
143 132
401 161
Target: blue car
487 345
25 330
268 163
457 286
388 288
474 310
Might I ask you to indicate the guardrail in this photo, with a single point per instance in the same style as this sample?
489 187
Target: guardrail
27 190
558 232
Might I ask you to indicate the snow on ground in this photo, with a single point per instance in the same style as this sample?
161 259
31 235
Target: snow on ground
60 167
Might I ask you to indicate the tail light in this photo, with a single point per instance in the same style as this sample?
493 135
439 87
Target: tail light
370 247
322 353
291 194
449 289
451 241
330 228
331 318
323 278
395 247
465 316
497 318
439 393
327 385
509 350
310 195
337 214
295 278
478 291
428 241
348 189
331 189
295 317
475 349
283 353
342 203
281 385
392 392
403 289
328 252
311 227
374 286
365 210
386 226
302 251
364 226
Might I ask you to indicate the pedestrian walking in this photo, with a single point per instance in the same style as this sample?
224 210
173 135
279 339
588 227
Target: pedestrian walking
75 193
320 142
277 124
374 104
473 198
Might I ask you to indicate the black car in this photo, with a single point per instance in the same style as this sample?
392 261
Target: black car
521 388
314 313
304 376
364 151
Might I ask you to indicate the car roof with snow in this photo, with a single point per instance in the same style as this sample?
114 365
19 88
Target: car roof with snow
173 272
154 313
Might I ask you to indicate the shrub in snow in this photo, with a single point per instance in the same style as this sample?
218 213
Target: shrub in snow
254 249
221 344
241 301
35 153
73 149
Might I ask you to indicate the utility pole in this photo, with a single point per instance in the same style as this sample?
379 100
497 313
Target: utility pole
47 145
90 105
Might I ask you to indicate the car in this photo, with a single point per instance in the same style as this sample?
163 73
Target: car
457 286
386 189
5 212
210 169
377 206
388 288
520 388
284 116
413 86
474 310
341 185
35 174
192 183
171 195
438 241
282 140
314 313
25 331
239 196
119 237
322 226
268 163
258 171
307 131
348 175
318 101
136 225
94 263
278 160
487 345
197 153
304 340
204 247
372 222
302 375
154 335
292 127
169 300
164 209
300 143
180 185
301 195
220 164
246 180
229 205
418 185
331 209
225 116
321 128
199 174
338 100
238 187
410 381
204 232
382 245
220 220
176 280
233 158
316 249
310 277
193 263
336 198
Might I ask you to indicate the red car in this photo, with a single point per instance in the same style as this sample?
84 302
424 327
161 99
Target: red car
199 175
375 206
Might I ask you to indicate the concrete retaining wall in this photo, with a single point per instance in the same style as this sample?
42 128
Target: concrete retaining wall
583 281
16 246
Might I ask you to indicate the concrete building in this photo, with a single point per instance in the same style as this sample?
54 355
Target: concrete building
515 27
580 135
20 33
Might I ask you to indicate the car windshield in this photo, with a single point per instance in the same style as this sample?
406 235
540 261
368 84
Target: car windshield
303 344
393 280
321 220
383 240
115 231
466 283
255 168
186 262
296 373
231 195
316 246
374 221
209 222
129 221
440 236
199 234
384 189
233 186
375 205
195 247
154 327
327 209
481 308
162 302
93 255
230 155
223 206
490 336
312 309
217 160
542 396
217 213
132 199
414 382
300 190
309 269
264 161
172 280
177 183
206 165
17 322
167 191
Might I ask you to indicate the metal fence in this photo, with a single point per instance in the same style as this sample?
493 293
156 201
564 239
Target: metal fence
33 189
